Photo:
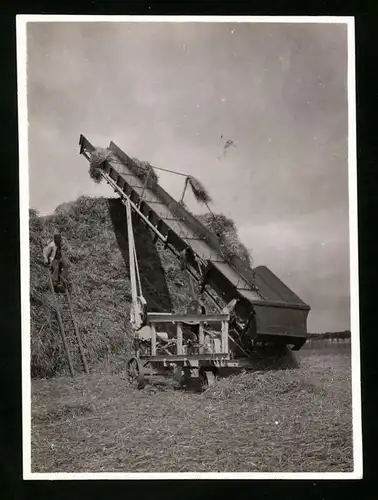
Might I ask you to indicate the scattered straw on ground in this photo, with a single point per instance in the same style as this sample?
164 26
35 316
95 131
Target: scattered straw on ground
284 421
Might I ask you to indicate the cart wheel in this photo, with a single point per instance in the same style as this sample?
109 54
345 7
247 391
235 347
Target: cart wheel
207 378
135 373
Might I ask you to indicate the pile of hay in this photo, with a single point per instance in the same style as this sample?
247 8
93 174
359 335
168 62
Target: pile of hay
226 232
262 383
100 287
101 292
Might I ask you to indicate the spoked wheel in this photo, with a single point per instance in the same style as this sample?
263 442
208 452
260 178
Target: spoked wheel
207 378
135 373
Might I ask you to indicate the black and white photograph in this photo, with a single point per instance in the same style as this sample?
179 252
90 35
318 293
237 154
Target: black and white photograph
188 210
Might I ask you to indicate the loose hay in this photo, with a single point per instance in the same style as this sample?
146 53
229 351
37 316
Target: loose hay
199 190
145 170
100 155
100 287
101 292
219 224
262 422
97 159
226 232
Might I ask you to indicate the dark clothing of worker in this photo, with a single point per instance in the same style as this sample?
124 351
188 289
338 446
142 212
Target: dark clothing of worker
59 270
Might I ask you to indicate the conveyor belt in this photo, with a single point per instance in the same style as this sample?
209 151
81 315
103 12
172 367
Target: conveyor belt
280 315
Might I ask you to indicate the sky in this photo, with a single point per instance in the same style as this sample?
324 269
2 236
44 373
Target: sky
173 94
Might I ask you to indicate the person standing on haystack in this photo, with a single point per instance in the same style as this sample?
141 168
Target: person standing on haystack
53 257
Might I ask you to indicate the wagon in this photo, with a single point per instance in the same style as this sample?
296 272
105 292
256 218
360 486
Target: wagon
189 347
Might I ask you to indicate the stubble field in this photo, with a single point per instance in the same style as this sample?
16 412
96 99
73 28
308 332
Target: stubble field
280 421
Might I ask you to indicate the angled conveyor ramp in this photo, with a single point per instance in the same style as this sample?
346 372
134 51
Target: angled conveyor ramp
273 311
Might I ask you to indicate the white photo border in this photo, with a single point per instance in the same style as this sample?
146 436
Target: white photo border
21 27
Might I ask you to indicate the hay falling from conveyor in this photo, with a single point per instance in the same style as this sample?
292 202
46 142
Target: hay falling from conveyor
199 191
219 224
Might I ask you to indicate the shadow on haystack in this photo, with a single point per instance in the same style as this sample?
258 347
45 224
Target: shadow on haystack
153 281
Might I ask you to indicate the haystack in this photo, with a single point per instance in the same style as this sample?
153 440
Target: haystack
101 293
100 286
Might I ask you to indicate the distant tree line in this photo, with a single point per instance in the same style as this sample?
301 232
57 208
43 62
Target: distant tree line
330 335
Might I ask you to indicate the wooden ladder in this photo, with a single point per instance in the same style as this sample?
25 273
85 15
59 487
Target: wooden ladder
58 310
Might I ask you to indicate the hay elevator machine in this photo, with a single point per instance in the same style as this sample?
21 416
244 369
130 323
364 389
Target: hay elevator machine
255 310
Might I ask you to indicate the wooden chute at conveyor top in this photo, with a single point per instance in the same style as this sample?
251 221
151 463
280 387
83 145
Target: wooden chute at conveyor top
268 310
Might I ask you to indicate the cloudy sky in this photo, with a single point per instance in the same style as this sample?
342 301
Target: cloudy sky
173 94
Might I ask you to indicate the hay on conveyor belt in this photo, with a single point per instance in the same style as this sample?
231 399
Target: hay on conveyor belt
100 155
96 162
226 232
146 169
199 190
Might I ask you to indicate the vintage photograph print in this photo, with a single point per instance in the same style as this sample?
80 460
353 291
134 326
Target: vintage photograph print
189 247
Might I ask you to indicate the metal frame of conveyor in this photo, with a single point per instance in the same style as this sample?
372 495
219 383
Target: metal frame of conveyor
275 319
126 198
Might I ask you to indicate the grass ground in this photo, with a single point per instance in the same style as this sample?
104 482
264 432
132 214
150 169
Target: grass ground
283 421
